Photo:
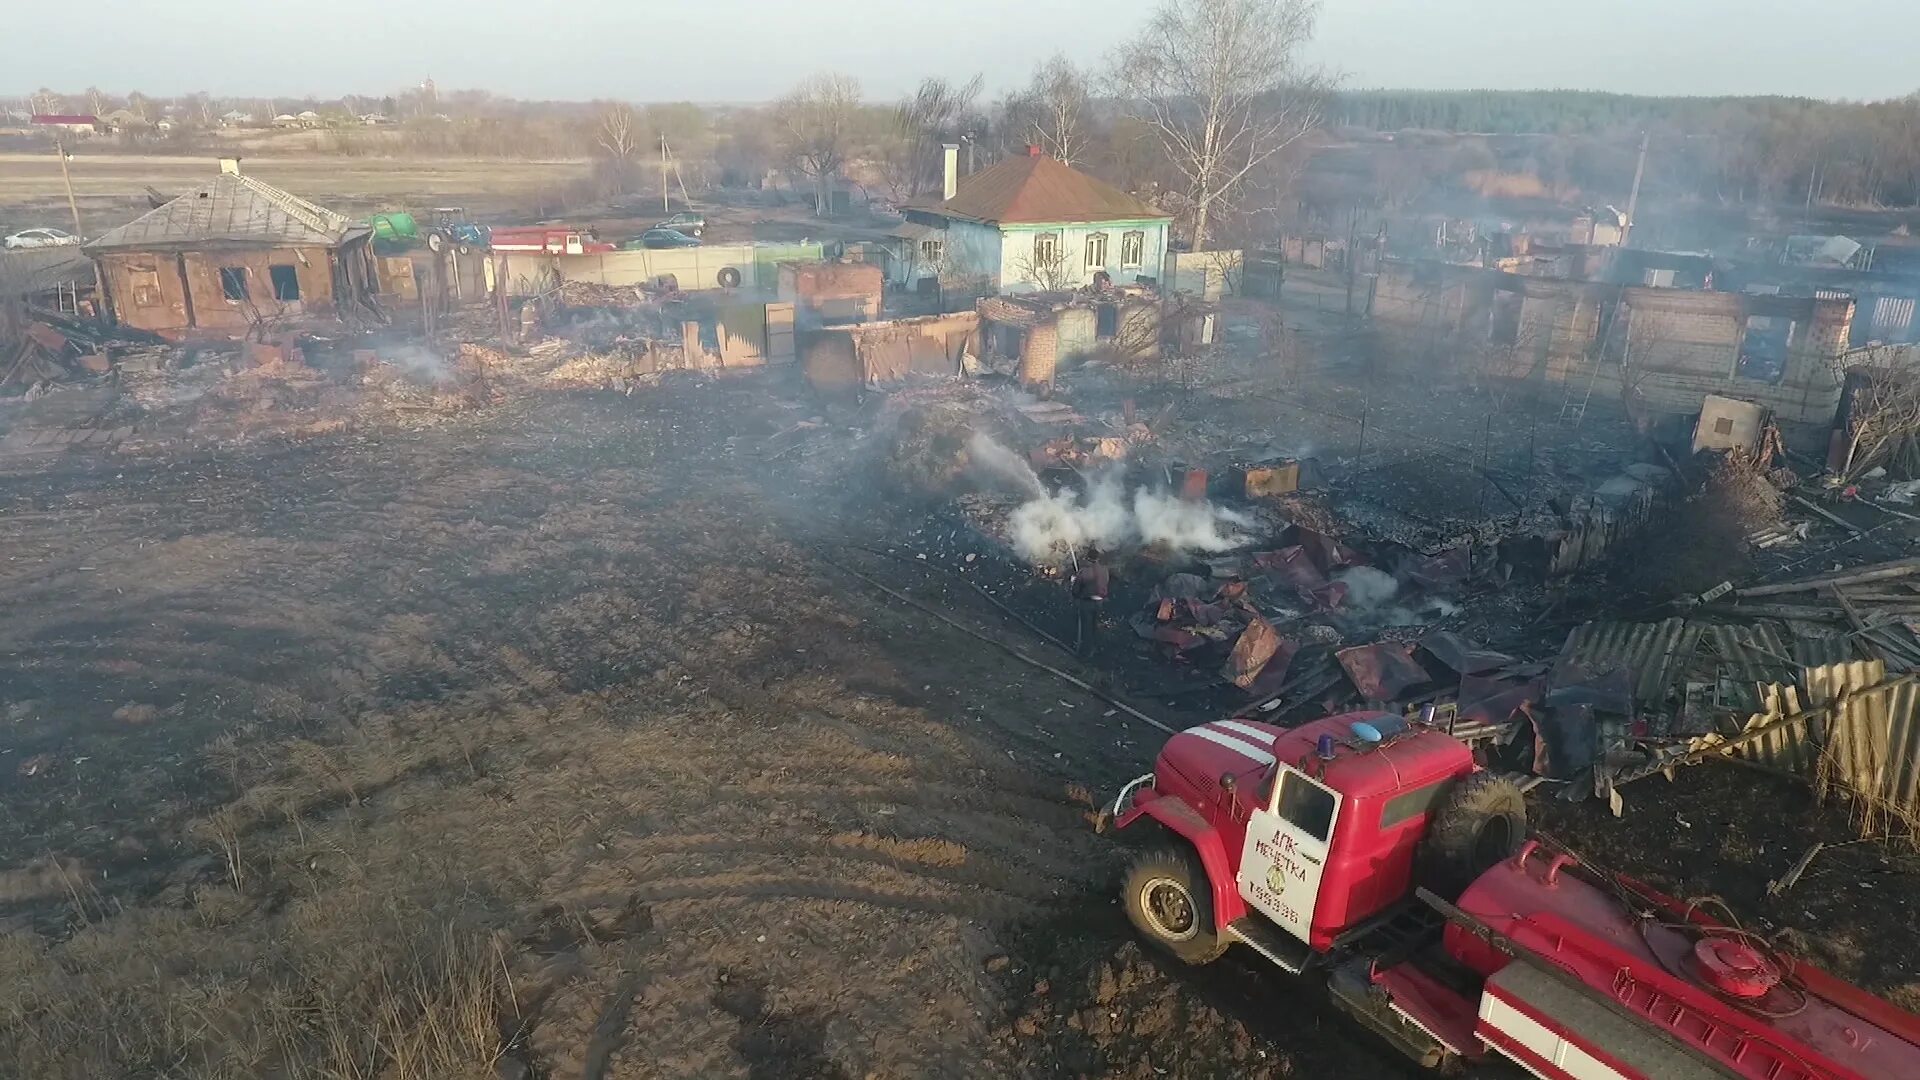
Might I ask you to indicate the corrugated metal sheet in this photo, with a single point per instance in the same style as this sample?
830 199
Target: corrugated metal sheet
1596 529
1743 659
1381 672
1828 682
1875 745
1653 652
1871 745
1788 750
1818 648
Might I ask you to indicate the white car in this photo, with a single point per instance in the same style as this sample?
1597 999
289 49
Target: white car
40 238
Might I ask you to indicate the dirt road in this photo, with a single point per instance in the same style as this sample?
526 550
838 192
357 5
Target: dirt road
553 743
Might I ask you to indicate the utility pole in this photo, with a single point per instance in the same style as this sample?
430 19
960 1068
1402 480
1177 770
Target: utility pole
664 207
1633 198
99 287
60 148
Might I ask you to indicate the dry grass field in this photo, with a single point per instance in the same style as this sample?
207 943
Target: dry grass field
112 188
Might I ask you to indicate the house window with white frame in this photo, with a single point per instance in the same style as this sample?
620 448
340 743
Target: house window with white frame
930 252
1133 249
1046 249
1097 251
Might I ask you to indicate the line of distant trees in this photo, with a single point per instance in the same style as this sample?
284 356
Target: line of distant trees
1727 149
1207 111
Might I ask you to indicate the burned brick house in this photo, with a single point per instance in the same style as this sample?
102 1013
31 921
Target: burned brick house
1039 332
233 254
1664 348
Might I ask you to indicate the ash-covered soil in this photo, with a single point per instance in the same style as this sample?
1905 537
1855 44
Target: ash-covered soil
554 741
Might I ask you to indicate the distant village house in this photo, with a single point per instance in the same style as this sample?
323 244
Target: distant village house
68 123
1028 224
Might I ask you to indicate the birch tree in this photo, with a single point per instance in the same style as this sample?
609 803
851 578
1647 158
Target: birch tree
1052 113
816 121
1220 83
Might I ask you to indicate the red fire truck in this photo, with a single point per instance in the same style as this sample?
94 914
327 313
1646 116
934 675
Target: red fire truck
551 239
1374 853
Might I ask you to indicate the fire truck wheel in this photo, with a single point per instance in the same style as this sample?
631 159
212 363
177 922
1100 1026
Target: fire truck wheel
1482 821
1170 902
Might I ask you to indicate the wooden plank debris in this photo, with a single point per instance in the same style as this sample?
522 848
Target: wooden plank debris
1779 886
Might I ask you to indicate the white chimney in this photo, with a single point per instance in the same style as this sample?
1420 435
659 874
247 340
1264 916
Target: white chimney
230 165
950 153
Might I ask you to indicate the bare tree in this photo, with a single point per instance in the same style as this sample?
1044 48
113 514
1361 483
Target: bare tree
1219 82
1052 112
938 112
616 141
816 121
1045 267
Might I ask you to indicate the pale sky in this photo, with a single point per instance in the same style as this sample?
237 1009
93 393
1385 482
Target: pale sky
752 50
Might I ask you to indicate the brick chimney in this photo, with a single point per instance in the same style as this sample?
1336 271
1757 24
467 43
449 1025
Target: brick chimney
950 165
230 165
1033 150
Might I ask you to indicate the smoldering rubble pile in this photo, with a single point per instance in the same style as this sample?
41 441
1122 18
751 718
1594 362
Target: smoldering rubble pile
1239 585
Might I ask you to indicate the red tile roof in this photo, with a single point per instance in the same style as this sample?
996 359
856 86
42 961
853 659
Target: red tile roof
1037 190
64 118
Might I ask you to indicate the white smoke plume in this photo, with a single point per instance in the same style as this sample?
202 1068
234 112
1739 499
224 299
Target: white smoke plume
1049 528
1371 592
1162 518
1368 588
419 364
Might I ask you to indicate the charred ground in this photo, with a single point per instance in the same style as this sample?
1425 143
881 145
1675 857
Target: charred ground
558 732
568 737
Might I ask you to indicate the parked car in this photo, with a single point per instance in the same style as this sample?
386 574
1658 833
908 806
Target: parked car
686 222
40 238
661 238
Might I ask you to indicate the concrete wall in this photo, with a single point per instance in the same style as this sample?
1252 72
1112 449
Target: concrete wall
185 290
739 335
1077 326
1205 274
890 351
695 268
1016 254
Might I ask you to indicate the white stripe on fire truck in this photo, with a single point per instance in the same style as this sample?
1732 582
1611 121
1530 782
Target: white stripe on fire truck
1555 1057
1251 732
1221 738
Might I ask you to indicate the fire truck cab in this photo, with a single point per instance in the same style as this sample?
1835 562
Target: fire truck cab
1374 853
1316 830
